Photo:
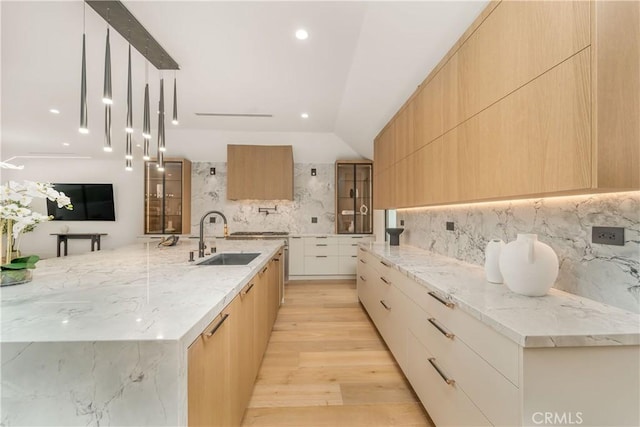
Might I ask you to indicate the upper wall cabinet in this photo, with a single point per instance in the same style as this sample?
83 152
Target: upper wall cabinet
537 98
167 197
259 172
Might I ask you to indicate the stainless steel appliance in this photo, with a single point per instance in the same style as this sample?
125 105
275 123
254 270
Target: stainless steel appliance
282 235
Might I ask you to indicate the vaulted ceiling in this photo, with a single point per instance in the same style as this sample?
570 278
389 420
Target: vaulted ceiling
359 64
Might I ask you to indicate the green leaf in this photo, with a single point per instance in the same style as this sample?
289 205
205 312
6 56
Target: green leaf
22 263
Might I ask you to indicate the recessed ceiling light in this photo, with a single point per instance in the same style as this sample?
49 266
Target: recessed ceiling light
302 34
66 144
54 111
304 115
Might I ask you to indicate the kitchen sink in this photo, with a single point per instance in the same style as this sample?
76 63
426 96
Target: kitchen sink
230 259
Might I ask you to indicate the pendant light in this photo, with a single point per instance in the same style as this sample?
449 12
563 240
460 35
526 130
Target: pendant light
145 152
107 128
146 120
161 142
128 153
106 94
129 128
83 82
127 165
160 165
175 100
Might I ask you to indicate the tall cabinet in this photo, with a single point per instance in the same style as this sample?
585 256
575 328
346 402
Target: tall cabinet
354 197
167 197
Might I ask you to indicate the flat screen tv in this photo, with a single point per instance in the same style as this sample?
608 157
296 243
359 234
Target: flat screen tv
91 202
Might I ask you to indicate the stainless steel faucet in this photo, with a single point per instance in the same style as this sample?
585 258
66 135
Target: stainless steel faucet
201 244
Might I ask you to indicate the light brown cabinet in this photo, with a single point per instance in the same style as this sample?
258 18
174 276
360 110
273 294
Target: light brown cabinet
537 98
354 193
211 373
167 197
259 172
223 361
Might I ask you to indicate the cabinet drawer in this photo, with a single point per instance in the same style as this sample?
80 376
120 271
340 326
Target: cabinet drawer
348 250
498 350
348 264
446 403
491 392
321 265
321 249
349 240
325 240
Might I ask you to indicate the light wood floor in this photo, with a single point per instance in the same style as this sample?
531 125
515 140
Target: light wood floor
327 366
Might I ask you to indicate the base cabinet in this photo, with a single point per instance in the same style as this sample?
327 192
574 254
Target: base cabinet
467 374
325 255
224 360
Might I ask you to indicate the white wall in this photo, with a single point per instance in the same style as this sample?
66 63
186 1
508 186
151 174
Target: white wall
128 194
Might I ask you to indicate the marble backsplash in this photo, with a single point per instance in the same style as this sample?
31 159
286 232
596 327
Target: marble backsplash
610 274
313 197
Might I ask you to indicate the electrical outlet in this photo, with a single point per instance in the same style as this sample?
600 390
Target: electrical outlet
212 220
402 222
314 220
450 226
608 235
212 171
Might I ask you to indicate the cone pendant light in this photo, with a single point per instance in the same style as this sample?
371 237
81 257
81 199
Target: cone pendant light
107 128
161 142
128 153
83 91
175 101
145 153
129 127
146 120
106 94
84 121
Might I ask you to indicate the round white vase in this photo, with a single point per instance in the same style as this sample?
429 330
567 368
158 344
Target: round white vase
492 261
529 267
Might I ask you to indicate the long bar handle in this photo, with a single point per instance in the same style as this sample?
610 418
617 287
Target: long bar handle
385 280
321 244
363 261
443 331
447 380
215 328
246 291
264 269
364 279
385 264
441 300
385 305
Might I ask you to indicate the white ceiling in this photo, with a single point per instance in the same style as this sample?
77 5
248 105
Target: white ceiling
361 61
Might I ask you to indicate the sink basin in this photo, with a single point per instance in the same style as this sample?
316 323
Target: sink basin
230 259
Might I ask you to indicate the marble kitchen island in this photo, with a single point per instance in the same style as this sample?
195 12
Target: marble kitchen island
102 338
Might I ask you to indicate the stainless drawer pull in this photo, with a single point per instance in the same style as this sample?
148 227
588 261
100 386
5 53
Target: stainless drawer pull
441 301
354 244
321 244
321 256
296 237
385 280
215 328
354 256
449 381
264 269
385 264
441 329
243 293
385 305
356 237
364 279
363 261
321 237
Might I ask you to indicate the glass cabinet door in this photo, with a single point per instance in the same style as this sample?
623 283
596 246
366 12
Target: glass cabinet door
163 198
354 198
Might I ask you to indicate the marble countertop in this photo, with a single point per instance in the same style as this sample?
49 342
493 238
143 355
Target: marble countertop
139 292
558 319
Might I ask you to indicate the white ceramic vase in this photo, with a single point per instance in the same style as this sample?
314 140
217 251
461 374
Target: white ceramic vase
492 261
529 267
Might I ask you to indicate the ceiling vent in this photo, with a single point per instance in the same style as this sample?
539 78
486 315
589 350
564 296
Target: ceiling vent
234 115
